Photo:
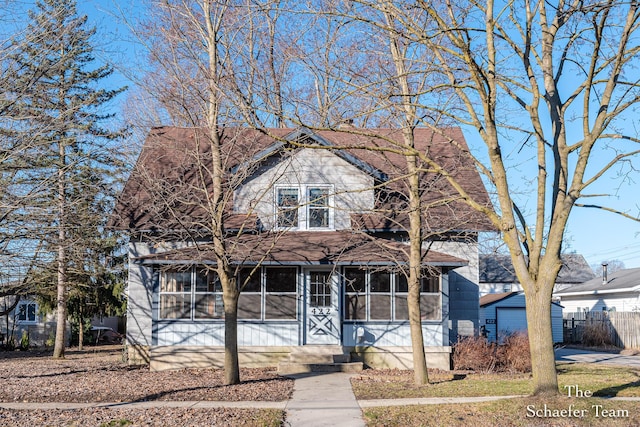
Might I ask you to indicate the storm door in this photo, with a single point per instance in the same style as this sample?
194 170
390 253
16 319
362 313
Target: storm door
322 307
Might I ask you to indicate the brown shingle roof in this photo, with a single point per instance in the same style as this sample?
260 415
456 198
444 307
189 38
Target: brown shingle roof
167 174
491 298
323 247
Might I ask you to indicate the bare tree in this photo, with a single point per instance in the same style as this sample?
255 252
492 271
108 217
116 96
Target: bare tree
521 81
207 74
380 81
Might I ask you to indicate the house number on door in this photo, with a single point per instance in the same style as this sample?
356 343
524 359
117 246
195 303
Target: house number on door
321 311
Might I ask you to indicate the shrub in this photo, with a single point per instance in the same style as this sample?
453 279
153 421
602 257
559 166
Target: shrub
474 354
515 355
479 355
597 334
24 341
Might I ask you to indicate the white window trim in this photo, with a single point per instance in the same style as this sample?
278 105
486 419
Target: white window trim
304 206
26 304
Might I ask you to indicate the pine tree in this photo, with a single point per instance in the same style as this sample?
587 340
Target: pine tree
65 119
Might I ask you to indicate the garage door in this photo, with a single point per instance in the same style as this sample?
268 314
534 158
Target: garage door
510 320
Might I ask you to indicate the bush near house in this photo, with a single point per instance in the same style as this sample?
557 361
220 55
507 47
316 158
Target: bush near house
479 355
597 334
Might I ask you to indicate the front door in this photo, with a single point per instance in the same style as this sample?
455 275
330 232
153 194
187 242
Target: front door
322 307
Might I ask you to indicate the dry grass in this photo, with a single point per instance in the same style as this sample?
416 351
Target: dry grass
99 375
396 384
508 412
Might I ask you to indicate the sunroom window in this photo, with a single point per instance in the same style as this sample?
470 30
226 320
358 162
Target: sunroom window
281 293
175 295
430 297
270 293
180 299
382 295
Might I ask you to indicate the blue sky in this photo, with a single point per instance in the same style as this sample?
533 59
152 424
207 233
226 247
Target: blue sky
596 234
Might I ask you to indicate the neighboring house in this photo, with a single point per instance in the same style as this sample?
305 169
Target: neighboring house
325 232
618 291
497 274
40 329
24 318
505 313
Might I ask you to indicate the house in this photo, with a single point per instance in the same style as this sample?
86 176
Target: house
505 313
498 276
319 239
617 291
25 319
40 329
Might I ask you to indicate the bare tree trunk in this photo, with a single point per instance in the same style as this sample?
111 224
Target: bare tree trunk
231 363
415 270
81 335
58 350
543 362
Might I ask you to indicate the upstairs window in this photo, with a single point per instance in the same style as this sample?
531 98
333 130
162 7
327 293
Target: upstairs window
307 207
287 208
318 213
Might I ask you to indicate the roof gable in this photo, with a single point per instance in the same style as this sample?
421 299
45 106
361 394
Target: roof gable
308 138
493 298
490 299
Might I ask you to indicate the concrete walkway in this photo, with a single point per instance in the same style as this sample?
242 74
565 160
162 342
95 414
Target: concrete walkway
323 399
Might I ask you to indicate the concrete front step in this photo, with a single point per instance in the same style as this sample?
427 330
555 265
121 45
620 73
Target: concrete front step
290 368
319 354
319 358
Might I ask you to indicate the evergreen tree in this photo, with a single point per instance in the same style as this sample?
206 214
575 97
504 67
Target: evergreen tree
72 156
96 268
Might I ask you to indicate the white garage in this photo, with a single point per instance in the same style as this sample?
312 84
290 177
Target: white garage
505 313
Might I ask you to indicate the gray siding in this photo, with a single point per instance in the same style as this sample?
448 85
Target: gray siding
517 301
352 188
140 298
461 294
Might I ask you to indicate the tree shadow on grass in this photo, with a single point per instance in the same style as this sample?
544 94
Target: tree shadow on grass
614 390
166 394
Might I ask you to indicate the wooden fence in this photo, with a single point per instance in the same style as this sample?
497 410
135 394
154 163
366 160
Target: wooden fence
621 329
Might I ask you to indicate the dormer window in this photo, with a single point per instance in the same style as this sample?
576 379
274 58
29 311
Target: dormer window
318 214
307 207
287 208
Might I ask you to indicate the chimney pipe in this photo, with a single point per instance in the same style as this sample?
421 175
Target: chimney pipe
604 273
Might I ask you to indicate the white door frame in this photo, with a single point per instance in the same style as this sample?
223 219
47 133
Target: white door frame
321 306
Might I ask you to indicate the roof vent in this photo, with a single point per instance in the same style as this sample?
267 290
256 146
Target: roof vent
346 124
604 273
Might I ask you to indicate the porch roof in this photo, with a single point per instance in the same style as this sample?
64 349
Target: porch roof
305 248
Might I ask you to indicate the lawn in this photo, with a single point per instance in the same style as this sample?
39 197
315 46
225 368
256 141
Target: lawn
603 381
510 412
564 410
